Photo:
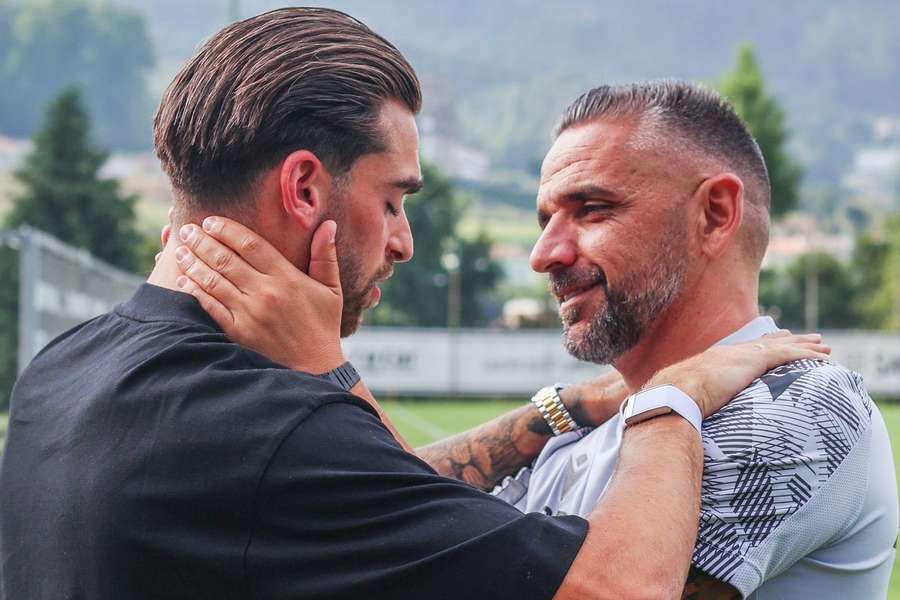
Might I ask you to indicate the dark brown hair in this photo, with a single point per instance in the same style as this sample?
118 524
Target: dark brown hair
702 118
261 88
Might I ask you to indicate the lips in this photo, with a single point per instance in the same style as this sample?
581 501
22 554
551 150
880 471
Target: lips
568 285
572 293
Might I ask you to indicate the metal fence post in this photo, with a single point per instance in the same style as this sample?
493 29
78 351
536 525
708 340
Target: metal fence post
29 275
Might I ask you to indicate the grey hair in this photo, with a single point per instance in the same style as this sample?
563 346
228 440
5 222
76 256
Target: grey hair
702 121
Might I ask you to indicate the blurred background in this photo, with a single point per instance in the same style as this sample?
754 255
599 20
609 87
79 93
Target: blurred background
466 324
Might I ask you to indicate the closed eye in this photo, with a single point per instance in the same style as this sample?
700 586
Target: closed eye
593 208
392 209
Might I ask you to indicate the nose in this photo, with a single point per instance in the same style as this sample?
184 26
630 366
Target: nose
555 249
400 241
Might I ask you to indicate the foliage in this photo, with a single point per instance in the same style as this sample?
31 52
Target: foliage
418 292
64 194
862 294
784 294
52 44
746 89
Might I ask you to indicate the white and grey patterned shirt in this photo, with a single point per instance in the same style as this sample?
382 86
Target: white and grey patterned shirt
799 497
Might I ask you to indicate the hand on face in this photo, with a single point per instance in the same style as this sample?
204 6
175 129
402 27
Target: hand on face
260 299
714 377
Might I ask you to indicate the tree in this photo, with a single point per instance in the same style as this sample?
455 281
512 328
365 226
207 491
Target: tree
784 294
418 293
746 89
63 193
105 50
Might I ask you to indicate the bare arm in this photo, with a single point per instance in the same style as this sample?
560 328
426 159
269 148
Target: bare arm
484 455
642 533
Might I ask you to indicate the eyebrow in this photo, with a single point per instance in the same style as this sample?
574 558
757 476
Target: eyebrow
591 192
409 186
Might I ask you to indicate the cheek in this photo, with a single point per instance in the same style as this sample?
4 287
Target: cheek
608 246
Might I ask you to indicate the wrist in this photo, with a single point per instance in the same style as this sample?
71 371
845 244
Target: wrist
321 363
684 382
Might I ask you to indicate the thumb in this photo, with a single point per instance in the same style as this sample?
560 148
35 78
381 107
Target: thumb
323 265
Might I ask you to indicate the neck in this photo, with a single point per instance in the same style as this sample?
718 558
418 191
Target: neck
166 270
694 322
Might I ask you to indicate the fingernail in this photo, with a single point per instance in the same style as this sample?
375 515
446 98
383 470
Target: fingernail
186 233
180 253
333 233
211 224
182 282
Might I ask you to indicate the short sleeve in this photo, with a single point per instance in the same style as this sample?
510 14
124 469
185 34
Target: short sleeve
344 512
784 473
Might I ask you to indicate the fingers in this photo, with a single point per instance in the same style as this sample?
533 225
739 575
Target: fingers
219 258
256 251
323 265
216 309
205 278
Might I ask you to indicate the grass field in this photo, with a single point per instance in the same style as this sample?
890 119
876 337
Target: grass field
422 422
425 421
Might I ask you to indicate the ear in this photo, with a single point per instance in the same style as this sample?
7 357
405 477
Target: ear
303 181
721 212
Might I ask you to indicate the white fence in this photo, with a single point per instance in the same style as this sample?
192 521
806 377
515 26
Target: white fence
62 286
59 287
435 362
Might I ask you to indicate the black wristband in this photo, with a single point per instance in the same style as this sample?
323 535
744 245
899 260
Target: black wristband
344 376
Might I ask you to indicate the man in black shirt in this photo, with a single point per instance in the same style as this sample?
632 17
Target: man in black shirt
151 456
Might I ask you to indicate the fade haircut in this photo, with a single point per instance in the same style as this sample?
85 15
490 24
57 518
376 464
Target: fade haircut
687 116
261 88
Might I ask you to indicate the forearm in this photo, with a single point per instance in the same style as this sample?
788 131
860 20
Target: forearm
486 454
643 531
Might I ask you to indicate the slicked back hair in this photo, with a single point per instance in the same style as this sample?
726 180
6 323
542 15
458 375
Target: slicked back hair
689 116
289 79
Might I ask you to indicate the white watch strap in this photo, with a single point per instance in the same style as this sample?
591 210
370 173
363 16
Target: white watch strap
647 403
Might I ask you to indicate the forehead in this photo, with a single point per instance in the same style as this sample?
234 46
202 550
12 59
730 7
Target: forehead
599 151
400 134
397 166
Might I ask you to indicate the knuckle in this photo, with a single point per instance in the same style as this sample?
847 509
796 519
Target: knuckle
249 243
210 281
221 261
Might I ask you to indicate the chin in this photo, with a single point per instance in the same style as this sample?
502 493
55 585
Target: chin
350 324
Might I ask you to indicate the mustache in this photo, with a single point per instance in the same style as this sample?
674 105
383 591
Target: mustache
573 278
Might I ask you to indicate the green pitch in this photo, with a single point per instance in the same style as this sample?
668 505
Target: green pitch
424 421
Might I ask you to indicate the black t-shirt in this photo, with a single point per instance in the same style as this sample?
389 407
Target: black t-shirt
150 457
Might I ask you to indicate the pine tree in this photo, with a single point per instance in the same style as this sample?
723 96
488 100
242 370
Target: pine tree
746 89
63 193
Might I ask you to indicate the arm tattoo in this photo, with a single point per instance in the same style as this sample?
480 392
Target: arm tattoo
486 454
700 586
483 456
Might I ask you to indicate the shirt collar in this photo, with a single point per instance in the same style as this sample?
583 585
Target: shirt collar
756 328
154 303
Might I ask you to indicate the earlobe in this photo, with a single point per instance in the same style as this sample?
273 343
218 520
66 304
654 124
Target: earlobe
302 177
722 201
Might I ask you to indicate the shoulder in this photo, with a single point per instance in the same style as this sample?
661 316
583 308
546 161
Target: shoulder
794 402
807 411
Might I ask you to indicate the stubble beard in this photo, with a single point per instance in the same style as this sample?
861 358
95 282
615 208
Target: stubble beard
632 305
355 286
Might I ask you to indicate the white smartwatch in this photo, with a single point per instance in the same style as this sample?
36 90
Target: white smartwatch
658 401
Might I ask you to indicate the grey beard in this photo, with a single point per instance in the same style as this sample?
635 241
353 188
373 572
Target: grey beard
629 313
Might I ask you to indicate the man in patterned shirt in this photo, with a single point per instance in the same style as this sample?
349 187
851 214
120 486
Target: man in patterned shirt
654 210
